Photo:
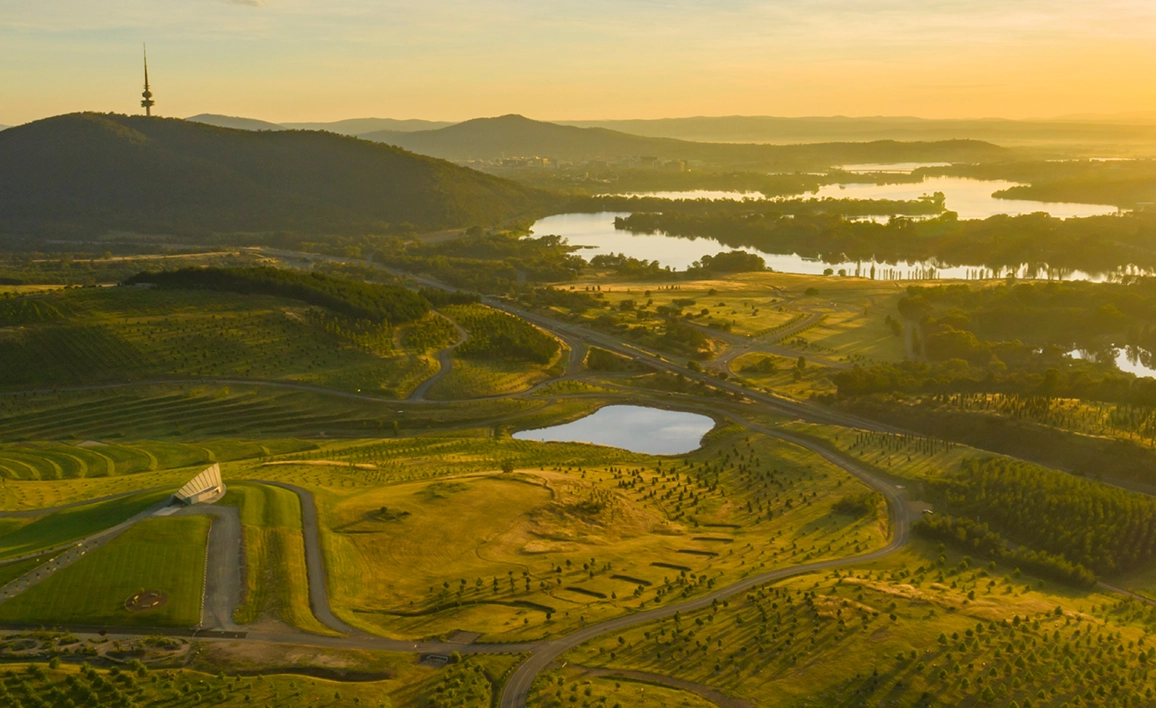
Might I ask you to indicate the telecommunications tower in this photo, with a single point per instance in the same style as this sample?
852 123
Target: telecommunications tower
148 101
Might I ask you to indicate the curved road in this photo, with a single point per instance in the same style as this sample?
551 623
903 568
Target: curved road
315 561
517 688
445 360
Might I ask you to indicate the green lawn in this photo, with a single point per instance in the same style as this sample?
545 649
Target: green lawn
165 554
12 571
76 523
278 584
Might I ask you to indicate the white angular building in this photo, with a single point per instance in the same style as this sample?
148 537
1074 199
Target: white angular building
205 488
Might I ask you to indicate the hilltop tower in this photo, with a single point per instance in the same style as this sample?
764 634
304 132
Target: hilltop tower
148 101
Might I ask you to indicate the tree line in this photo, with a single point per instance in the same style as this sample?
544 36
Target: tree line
357 300
1105 529
497 335
1096 244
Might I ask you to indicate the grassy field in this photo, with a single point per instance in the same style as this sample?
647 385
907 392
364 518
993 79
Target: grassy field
277 585
14 570
476 379
165 554
203 412
76 522
853 328
401 683
89 459
924 627
572 535
778 374
616 692
88 336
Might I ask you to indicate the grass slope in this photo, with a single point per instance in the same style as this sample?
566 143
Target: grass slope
126 334
442 542
165 554
921 628
277 583
75 523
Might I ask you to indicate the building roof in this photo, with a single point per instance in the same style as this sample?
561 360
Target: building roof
205 481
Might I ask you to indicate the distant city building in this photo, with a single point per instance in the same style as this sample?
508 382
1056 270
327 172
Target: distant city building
148 101
205 488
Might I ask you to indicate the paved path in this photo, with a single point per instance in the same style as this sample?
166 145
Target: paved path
315 561
445 360
222 592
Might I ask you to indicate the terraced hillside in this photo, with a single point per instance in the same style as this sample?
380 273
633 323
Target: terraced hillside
115 335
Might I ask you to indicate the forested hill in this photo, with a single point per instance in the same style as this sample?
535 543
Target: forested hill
92 171
513 135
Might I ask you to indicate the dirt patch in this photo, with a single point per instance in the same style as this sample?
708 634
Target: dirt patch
147 600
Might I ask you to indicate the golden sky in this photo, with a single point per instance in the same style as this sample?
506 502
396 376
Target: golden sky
307 60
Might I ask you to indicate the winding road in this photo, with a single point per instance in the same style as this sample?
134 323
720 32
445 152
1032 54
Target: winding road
222 590
445 361
223 582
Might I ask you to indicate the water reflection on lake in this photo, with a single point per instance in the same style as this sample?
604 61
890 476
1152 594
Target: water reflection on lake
1135 360
970 198
694 194
904 168
651 431
596 233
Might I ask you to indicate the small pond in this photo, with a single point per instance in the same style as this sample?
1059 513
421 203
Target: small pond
652 431
1134 360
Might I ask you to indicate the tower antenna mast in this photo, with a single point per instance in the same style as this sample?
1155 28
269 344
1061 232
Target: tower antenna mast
148 101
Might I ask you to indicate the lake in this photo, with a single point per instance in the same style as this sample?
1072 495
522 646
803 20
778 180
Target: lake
970 198
1129 358
652 431
904 168
596 233
694 194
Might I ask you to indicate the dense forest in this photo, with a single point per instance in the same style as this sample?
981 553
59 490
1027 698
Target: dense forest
1103 528
1065 314
391 304
975 537
481 261
497 335
1014 338
1000 243
86 173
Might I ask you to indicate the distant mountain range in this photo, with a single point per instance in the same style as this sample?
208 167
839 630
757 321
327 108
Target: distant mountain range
234 122
1075 130
514 136
89 170
361 126
1072 130
353 126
